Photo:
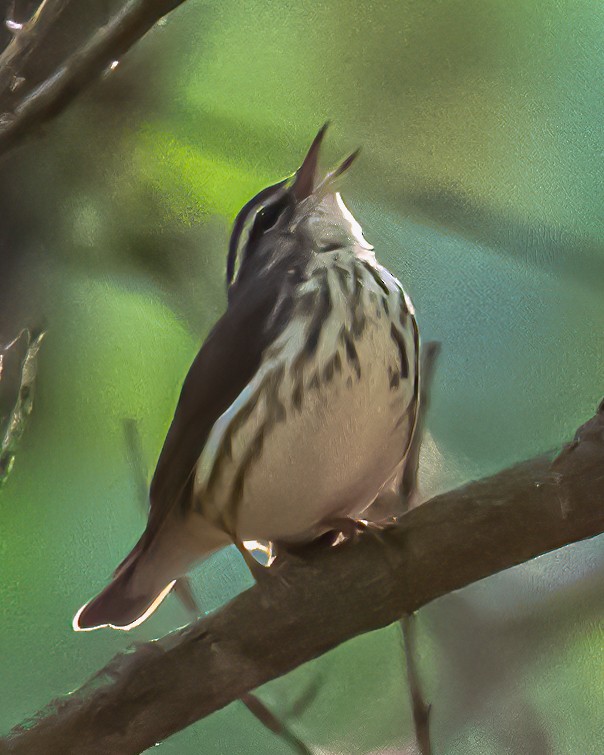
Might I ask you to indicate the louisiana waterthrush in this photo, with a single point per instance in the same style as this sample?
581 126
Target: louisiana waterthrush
297 412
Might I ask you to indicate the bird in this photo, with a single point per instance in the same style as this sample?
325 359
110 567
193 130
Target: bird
296 416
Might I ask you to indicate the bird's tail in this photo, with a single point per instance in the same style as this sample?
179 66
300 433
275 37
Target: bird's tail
128 600
148 573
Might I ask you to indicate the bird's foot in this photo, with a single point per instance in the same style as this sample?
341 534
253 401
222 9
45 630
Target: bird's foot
258 570
345 529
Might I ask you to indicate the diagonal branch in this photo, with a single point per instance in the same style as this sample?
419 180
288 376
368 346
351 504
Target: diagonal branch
81 68
328 595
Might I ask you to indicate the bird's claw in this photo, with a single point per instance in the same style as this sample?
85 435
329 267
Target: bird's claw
344 530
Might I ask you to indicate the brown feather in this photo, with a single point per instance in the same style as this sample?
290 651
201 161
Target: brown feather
225 364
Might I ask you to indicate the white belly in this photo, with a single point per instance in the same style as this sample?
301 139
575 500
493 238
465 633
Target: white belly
306 444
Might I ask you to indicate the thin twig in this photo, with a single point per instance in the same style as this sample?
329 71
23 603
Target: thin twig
320 599
27 39
134 449
24 402
408 488
272 723
421 709
136 460
408 493
81 68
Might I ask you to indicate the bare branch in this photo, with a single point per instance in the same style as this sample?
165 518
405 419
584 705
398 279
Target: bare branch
27 39
268 719
81 68
24 401
408 493
325 596
420 708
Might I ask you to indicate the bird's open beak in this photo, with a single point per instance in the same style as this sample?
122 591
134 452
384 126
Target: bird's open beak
305 178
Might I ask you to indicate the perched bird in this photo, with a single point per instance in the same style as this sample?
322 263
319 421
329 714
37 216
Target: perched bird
297 413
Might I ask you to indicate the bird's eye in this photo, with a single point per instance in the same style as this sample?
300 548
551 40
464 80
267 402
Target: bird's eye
237 246
266 218
244 248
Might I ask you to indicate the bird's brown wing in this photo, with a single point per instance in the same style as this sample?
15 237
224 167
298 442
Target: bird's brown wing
225 364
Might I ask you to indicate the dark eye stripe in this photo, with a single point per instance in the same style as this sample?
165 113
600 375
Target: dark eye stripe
240 222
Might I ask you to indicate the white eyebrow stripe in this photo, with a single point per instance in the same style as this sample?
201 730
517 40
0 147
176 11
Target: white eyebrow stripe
241 221
271 199
244 237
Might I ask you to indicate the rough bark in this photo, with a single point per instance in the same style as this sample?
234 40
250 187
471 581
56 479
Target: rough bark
323 596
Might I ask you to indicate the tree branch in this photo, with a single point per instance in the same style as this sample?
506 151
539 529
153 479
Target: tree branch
24 399
28 37
325 596
82 67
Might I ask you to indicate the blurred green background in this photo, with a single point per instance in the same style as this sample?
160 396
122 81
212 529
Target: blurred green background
480 185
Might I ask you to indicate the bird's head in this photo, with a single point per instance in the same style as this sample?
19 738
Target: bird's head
294 219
